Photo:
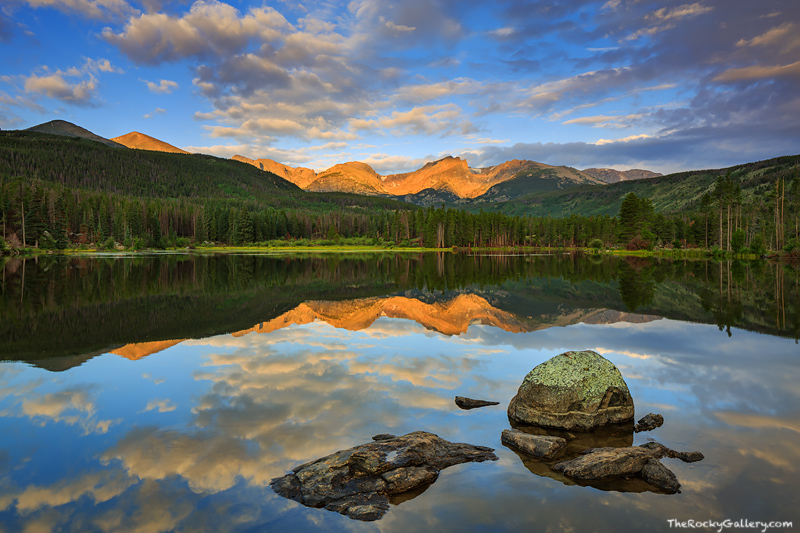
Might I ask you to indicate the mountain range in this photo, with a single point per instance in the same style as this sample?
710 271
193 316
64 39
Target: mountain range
449 179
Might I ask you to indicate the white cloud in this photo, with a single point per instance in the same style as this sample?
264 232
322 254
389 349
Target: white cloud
55 86
393 164
786 37
759 72
442 119
156 111
502 33
163 86
210 28
59 85
666 19
683 11
399 28
431 91
604 121
623 140
98 9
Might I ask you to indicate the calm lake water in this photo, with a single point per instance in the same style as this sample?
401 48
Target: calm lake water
159 393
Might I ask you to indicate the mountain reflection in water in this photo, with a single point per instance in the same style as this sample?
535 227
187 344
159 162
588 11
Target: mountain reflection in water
189 436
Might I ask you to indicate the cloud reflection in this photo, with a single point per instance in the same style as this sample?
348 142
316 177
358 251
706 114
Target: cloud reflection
268 402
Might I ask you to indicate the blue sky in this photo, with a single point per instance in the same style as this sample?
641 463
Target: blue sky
657 84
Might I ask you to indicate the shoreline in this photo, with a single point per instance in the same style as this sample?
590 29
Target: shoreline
693 253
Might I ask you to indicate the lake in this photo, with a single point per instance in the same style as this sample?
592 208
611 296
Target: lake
165 392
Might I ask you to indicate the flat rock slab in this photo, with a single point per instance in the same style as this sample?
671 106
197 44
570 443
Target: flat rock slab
469 403
649 422
543 446
357 482
573 391
601 463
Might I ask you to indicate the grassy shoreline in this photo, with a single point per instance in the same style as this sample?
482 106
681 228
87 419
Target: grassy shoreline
693 253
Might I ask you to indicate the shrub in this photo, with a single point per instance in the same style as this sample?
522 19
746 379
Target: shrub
757 244
737 241
637 243
596 244
47 242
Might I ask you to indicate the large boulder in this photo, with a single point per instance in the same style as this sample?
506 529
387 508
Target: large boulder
358 482
573 391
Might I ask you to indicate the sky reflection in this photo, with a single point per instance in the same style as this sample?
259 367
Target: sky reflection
189 437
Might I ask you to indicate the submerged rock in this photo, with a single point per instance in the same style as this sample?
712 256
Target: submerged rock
573 391
357 482
601 463
469 403
649 422
543 446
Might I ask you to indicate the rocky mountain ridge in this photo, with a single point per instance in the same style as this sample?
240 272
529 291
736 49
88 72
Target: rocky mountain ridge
140 141
610 175
68 129
449 175
449 179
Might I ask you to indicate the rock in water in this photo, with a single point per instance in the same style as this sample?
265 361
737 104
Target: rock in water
649 422
358 481
469 403
543 446
573 391
601 463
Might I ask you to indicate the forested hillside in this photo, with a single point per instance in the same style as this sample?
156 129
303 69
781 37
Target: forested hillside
680 192
57 192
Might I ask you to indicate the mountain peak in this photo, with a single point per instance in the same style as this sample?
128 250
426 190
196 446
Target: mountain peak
140 141
68 129
302 177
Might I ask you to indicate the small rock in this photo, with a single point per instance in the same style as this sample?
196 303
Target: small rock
543 446
649 422
599 463
659 475
469 403
686 457
357 482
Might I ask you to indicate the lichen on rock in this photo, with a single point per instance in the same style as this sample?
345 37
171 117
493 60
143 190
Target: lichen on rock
573 391
358 482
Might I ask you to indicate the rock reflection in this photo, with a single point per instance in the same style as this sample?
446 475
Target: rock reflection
616 436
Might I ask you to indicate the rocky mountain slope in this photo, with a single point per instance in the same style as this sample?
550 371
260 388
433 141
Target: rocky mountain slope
353 177
68 129
302 177
140 141
448 179
609 175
